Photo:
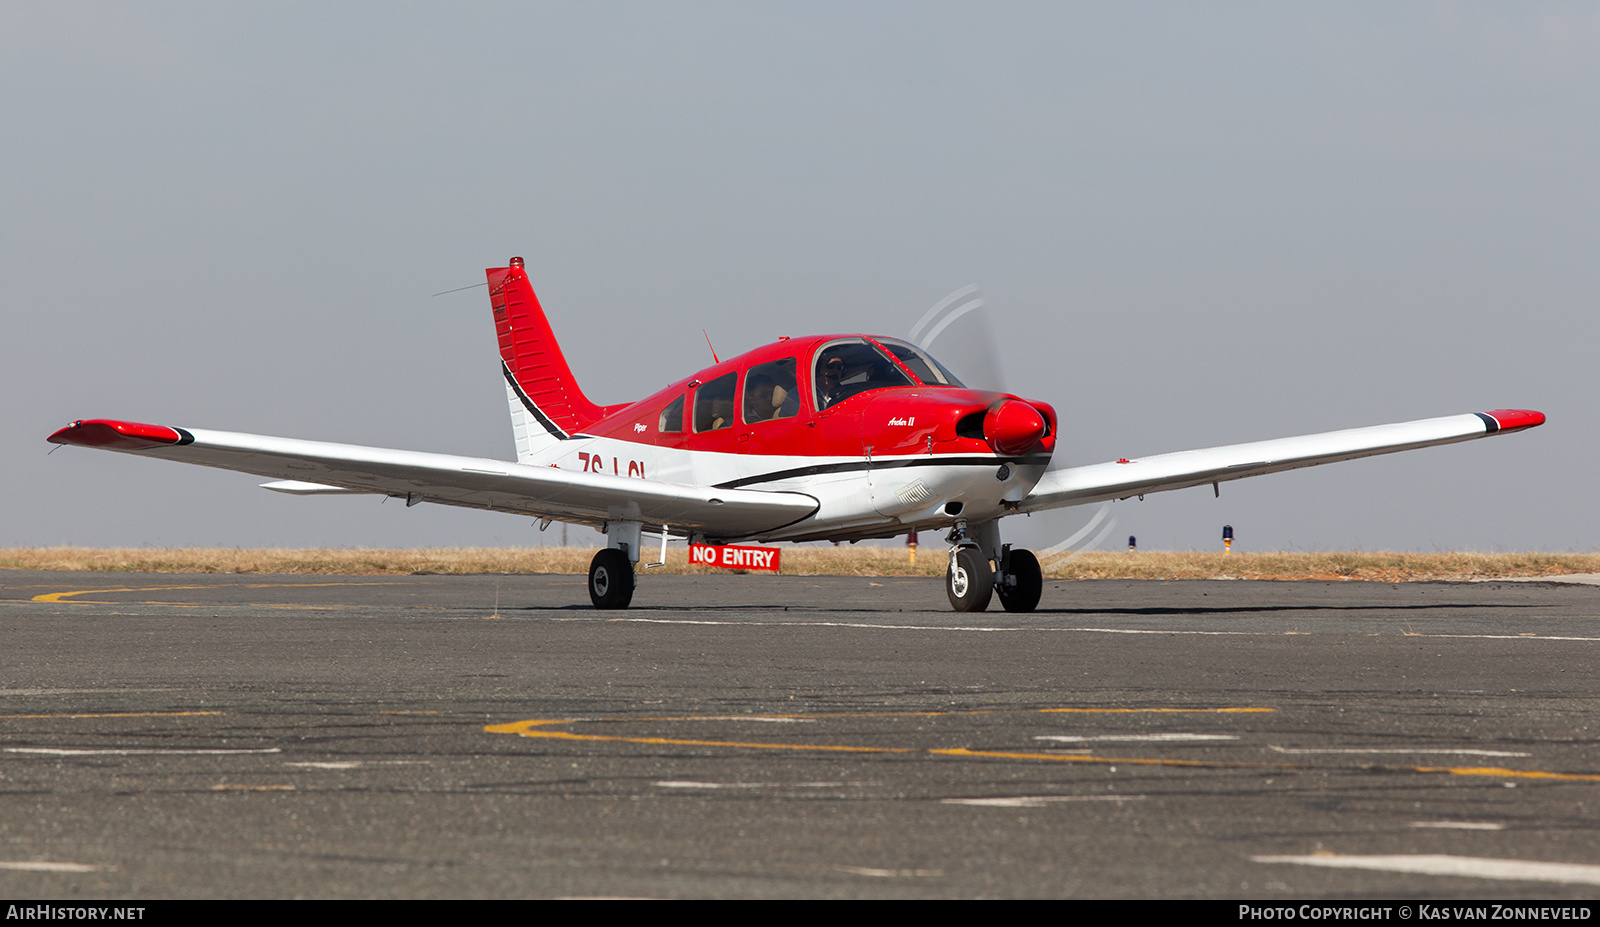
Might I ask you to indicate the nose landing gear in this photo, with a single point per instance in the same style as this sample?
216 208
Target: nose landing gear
969 582
980 567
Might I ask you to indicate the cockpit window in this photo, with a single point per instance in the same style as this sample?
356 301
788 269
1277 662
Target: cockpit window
921 363
770 392
843 368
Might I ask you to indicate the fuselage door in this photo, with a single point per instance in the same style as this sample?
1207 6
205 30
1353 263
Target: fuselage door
770 413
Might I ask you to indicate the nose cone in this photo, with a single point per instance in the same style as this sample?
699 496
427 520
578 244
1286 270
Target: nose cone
1013 427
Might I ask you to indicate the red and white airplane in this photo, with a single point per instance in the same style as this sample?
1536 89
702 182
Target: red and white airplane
828 437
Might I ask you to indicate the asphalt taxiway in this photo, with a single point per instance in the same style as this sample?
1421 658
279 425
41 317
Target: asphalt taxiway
733 736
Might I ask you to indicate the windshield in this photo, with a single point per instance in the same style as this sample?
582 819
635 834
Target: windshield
921 363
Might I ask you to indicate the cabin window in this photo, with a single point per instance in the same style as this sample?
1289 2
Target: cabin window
672 418
713 404
849 366
771 392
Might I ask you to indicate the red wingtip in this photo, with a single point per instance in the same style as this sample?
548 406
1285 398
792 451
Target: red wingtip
1514 419
121 436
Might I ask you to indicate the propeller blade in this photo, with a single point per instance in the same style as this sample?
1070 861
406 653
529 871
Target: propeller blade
958 331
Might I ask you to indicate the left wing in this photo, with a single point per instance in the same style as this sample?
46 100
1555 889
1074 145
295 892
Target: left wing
1137 476
310 467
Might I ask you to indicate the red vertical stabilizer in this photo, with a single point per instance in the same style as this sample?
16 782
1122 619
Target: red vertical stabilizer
534 363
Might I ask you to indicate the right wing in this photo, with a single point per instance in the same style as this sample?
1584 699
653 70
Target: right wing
1137 476
312 467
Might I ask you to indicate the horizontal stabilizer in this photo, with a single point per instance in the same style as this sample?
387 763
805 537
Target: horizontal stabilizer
299 488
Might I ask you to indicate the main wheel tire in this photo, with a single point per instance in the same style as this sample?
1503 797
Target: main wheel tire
610 579
969 581
1024 596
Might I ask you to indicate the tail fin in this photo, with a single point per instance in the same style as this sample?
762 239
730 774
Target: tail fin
546 404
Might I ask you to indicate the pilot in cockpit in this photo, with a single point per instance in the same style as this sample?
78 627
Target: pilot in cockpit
829 377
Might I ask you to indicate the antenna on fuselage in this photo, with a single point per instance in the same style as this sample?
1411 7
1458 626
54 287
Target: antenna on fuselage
460 288
714 358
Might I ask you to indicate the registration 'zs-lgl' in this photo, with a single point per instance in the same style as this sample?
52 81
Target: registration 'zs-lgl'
828 437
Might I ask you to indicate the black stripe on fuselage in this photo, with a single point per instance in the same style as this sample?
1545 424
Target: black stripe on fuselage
881 463
528 404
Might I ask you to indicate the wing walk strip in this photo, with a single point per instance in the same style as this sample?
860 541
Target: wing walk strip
540 728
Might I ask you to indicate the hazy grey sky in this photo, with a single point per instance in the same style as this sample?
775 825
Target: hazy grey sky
1195 224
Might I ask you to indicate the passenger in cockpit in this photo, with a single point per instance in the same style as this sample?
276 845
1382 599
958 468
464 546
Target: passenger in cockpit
769 392
758 403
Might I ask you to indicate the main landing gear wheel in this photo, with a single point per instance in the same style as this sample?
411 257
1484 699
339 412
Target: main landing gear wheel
610 579
969 582
1024 596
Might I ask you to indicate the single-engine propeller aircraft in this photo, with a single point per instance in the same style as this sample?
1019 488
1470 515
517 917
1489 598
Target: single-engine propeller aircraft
828 437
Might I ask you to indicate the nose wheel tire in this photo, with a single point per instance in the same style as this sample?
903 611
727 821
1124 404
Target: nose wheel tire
969 582
1024 596
610 579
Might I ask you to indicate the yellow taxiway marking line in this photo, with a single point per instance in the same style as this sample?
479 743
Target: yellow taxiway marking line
539 727
1502 773
318 608
519 727
124 714
59 597
1216 711
314 608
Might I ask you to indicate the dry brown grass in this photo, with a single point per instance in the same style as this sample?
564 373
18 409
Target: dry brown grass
1382 566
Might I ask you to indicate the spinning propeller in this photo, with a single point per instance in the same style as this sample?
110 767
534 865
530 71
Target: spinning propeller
959 331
